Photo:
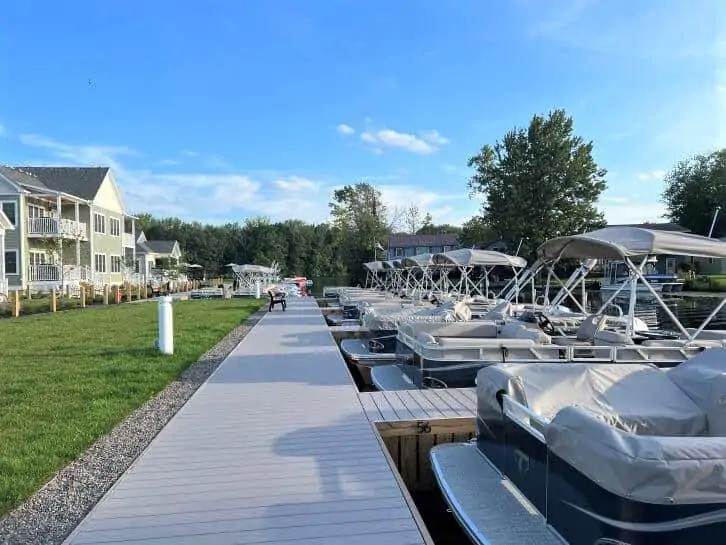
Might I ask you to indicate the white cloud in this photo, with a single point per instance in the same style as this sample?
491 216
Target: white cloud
433 137
79 154
403 140
345 129
296 183
653 175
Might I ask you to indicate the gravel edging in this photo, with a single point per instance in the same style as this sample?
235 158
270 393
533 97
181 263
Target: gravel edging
53 512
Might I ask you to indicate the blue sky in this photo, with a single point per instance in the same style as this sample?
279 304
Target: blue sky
225 109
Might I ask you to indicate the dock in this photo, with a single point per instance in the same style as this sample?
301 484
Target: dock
274 448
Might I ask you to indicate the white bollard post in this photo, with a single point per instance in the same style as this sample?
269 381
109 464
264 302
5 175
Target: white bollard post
165 341
258 292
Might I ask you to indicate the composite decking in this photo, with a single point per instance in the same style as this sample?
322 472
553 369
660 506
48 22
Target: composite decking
274 448
407 405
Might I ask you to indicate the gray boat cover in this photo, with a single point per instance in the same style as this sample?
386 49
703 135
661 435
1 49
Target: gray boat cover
636 398
703 379
637 431
650 469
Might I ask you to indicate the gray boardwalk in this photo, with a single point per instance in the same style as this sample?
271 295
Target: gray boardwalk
274 448
433 404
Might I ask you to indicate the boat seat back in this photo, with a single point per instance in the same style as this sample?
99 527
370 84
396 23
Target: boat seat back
703 379
462 311
590 326
638 398
708 334
641 468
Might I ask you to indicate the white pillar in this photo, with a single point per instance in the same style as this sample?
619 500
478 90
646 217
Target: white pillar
59 234
258 293
78 238
165 341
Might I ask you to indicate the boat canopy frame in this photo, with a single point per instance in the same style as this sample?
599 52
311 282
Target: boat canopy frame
466 260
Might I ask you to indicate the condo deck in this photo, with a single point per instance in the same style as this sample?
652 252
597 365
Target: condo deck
274 448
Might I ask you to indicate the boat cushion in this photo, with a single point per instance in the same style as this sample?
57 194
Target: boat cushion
611 337
518 330
703 379
652 469
462 311
590 326
638 398
452 329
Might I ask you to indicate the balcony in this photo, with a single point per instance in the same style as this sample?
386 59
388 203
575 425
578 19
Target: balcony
72 274
44 273
53 227
127 239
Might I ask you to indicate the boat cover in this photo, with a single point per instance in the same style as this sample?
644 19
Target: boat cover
622 242
637 431
636 398
478 258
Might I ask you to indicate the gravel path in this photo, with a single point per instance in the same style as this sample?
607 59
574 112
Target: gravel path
56 509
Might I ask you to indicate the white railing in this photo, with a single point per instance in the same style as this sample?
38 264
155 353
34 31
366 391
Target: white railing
44 273
133 277
127 239
77 273
3 290
55 227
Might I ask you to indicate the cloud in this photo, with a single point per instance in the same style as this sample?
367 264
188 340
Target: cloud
433 137
296 183
403 140
653 175
345 129
79 154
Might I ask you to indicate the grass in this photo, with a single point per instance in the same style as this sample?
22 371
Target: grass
68 378
713 282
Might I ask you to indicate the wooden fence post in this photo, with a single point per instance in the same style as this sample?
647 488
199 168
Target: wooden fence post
27 293
106 289
83 296
16 303
53 301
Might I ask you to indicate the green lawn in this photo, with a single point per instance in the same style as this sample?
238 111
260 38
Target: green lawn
68 378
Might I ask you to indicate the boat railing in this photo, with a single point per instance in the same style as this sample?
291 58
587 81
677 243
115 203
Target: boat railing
532 423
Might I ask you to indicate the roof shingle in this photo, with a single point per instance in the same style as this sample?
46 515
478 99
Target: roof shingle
83 182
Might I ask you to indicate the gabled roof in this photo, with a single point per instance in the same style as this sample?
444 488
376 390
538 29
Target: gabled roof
83 182
156 246
437 239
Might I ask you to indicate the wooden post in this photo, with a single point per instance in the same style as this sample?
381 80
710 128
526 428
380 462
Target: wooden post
53 302
27 293
16 303
106 289
128 291
83 296
138 290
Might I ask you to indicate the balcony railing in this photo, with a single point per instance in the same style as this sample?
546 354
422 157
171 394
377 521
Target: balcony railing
44 273
63 227
127 239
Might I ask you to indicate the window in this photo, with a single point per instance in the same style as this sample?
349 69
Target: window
100 262
99 223
10 209
11 261
115 263
439 249
447 248
37 258
35 211
114 227
410 251
422 250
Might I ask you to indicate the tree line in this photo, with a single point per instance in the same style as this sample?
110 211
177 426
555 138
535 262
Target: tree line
535 183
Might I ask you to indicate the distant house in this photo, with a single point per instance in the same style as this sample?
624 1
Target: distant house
405 245
5 225
156 254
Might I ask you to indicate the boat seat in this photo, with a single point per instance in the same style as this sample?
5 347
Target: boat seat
518 330
682 343
501 311
608 337
451 329
636 398
462 311
570 341
586 332
708 334
472 342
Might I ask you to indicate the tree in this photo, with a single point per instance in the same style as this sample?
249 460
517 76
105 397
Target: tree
538 183
430 229
361 220
694 189
475 231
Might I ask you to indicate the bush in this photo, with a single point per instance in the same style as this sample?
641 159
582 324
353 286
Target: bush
705 283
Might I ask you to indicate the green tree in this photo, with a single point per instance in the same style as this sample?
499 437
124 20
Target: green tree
360 219
432 229
475 231
694 189
538 183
